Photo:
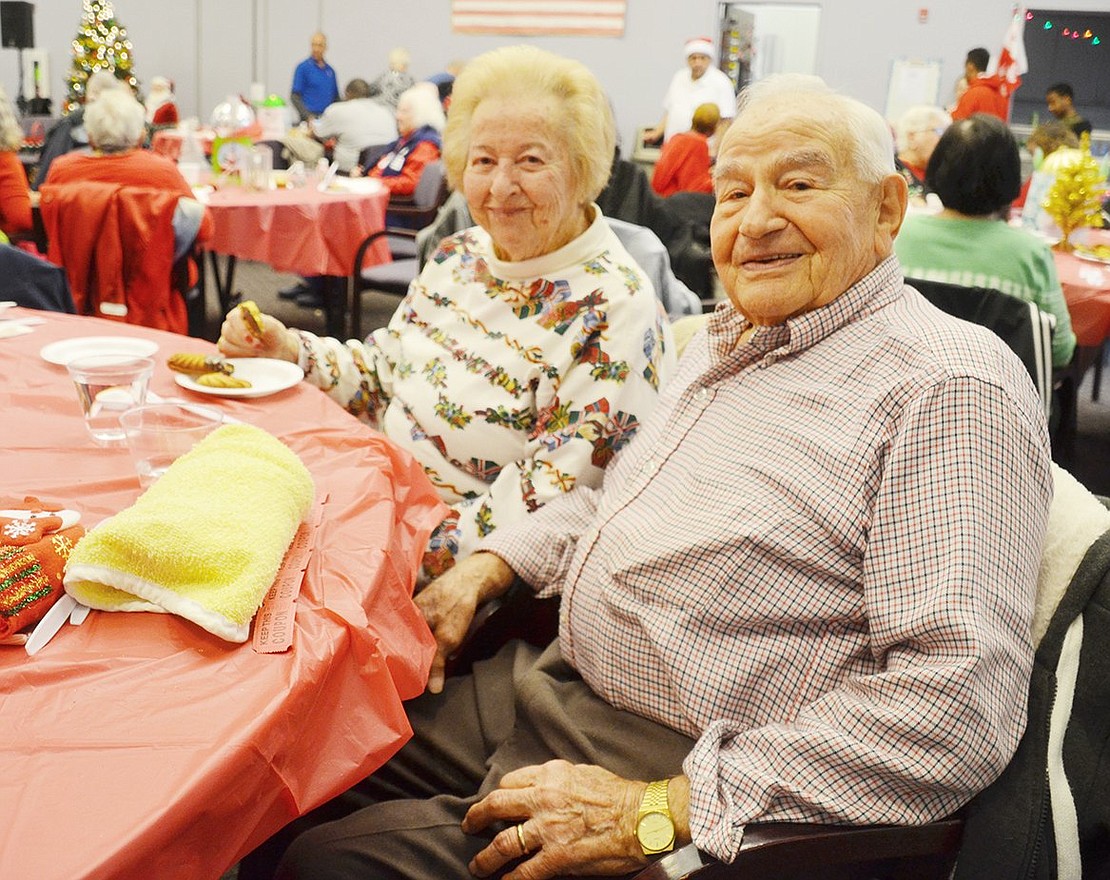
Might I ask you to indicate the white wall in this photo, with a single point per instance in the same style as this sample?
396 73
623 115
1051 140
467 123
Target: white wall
213 47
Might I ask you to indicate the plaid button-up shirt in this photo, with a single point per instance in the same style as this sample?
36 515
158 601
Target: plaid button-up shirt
818 558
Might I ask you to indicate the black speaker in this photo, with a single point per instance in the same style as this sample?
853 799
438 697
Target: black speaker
17 25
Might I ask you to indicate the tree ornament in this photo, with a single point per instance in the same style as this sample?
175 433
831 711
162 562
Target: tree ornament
1075 198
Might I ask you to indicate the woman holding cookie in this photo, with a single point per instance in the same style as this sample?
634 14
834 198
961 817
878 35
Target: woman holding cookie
531 347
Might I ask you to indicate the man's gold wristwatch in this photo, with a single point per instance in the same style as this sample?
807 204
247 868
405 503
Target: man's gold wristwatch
654 825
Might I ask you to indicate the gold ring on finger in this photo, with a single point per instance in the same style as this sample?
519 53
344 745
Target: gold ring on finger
520 837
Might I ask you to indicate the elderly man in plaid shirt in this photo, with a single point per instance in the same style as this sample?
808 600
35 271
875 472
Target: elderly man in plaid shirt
803 592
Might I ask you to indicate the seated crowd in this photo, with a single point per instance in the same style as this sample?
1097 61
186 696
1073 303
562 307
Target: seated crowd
768 610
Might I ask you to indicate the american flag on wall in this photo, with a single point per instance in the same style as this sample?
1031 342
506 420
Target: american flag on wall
582 18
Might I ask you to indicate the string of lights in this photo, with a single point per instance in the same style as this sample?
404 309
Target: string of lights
1068 33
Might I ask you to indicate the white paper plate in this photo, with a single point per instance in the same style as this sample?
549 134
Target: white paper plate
265 375
65 350
1092 258
8 329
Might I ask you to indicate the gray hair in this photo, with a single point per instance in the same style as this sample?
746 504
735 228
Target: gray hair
11 132
872 146
922 117
425 106
115 121
101 81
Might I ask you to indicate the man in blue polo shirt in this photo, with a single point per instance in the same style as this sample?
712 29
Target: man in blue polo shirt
314 82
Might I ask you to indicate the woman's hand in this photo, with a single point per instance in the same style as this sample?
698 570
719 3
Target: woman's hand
238 340
575 819
450 601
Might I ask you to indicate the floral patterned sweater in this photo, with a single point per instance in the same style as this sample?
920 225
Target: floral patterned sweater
510 382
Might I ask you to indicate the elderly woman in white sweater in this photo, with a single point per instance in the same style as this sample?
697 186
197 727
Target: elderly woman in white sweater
531 347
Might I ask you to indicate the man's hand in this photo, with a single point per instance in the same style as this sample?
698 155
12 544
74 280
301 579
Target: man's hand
237 339
449 602
574 819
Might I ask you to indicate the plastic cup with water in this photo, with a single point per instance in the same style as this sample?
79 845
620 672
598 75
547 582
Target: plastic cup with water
107 386
160 433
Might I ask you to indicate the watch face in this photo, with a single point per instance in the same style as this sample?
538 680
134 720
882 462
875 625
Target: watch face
655 831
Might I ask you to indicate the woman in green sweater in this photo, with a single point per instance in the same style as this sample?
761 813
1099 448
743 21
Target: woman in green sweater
976 171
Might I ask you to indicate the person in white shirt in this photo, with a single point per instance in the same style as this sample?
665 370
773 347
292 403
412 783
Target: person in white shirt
698 83
357 122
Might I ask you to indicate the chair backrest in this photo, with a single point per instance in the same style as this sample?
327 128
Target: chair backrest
431 188
1050 801
651 255
418 211
116 244
1021 325
453 216
33 282
368 156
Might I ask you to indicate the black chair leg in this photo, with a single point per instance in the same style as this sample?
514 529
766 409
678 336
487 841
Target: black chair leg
1065 405
1096 382
335 305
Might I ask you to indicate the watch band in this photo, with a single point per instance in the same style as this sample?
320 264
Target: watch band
655 798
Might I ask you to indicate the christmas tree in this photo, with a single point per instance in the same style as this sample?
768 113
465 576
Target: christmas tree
1075 199
101 44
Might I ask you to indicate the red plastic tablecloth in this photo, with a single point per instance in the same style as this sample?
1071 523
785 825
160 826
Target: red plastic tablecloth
168 142
139 745
298 230
1086 286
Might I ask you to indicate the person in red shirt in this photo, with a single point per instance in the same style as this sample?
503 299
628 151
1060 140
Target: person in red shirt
15 194
420 120
984 93
684 162
116 127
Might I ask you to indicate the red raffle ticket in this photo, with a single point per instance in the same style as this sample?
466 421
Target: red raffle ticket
273 624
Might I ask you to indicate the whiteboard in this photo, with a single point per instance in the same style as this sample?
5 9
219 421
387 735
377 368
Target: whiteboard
911 83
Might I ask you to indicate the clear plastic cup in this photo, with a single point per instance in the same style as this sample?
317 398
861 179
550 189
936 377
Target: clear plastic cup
108 385
160 433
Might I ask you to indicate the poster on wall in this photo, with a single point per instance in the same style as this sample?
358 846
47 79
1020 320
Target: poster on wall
911 83
580 18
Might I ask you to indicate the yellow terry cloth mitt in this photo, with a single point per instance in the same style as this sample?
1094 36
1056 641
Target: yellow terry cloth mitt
205 541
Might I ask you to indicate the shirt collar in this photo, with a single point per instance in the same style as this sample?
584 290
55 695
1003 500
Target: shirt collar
876 289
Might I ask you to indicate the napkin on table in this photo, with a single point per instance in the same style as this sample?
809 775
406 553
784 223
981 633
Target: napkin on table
36 537
205 541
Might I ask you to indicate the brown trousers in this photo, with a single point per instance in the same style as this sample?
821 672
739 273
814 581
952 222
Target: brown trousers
521 708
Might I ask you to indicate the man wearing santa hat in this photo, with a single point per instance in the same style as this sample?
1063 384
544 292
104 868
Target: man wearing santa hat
161 108
698 83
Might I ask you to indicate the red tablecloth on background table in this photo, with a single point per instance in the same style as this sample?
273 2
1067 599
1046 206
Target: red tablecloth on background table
299 230
1086 286
138 745
168 141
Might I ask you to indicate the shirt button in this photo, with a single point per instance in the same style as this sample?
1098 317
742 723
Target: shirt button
702 394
